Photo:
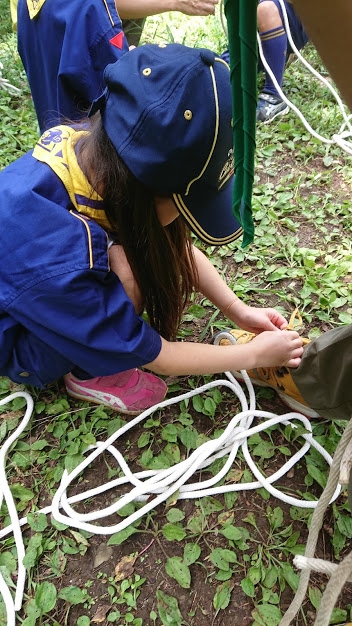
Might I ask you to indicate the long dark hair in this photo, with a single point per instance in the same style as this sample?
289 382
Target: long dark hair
160 257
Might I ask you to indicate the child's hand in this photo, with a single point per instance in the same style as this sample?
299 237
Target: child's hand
277 349
196 7
257 320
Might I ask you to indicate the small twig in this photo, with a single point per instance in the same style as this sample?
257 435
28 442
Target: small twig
146 548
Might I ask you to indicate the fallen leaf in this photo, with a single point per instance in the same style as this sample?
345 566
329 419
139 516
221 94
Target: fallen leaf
124 569
234 476
103 554
100 615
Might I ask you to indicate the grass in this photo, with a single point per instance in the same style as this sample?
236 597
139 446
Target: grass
215 558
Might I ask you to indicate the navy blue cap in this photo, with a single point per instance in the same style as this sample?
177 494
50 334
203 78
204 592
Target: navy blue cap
167 110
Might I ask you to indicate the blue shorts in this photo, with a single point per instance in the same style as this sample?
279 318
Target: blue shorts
299 35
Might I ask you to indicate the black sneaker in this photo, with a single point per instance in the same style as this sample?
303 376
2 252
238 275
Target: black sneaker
269 107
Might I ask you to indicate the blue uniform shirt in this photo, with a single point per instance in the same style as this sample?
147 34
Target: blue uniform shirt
64 48
60 306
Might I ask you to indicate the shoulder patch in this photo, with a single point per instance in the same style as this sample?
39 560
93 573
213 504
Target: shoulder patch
118 40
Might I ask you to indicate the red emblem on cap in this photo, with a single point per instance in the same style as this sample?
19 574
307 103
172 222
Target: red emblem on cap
118 40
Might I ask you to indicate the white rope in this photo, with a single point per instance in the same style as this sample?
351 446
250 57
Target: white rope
5 494
316 565
153 487
5 83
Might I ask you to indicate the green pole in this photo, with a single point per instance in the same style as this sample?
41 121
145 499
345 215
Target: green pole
241 16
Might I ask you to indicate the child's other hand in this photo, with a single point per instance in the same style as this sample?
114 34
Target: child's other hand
277 349
257 320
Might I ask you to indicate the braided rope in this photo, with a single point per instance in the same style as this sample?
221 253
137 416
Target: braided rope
333 590
316 565
316 524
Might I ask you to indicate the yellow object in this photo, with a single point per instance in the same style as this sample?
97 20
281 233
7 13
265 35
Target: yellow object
295 323
243 336
56 147
34 6
278 378
13 10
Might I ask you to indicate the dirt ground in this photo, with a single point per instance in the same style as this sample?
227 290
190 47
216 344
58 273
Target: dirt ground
95 569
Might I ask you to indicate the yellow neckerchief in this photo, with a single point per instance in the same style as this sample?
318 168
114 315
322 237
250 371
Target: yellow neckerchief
34 7
56 147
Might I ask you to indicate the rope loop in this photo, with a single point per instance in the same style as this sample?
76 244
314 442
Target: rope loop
152 487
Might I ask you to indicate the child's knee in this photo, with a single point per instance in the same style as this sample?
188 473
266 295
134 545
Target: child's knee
268 16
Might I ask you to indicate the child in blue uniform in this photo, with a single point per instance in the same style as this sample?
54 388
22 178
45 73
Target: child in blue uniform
65 46
154 160
64 52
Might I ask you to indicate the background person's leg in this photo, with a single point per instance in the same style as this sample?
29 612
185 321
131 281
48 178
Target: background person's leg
274 43
276 50
133 30
324 376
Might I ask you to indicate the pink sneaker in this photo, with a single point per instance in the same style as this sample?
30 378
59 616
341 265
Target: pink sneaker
131 392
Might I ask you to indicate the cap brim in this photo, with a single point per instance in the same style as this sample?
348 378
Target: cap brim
208 213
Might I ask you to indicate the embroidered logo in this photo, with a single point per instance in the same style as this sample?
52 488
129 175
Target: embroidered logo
228 169
51 136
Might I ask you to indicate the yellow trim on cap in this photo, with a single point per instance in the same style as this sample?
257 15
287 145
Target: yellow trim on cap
217 123
196 227
178 198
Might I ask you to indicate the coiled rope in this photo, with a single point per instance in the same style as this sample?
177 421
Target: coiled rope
152 487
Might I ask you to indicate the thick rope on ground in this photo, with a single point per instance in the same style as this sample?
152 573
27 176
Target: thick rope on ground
5 494
333 590
316 524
